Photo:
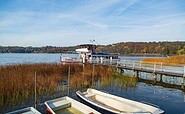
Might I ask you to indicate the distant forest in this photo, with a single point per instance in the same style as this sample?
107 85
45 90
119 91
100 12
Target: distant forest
163 48
46 49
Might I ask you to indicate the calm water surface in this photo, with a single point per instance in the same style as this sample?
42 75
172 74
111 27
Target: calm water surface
172 101
21 58
14 58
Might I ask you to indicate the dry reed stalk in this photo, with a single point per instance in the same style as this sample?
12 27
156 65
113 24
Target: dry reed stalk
173 60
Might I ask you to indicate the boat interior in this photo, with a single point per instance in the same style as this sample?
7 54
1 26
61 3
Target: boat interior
63 106
115 104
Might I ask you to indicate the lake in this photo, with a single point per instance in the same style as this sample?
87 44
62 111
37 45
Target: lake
172 101
22 58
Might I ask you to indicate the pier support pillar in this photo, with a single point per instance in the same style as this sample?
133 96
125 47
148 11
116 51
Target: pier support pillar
155 77
161 78
136 73
182 83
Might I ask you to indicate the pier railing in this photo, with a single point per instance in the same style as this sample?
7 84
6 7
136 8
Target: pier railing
173 68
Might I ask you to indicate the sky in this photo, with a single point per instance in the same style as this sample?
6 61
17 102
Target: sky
74 22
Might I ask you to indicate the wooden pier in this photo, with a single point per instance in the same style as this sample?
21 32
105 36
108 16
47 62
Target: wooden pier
152 71
156 69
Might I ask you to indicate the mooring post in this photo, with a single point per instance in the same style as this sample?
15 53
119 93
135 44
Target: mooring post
35 89
68 79
83 70
93 76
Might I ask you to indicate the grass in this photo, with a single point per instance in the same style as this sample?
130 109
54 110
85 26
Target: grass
179 59
17 81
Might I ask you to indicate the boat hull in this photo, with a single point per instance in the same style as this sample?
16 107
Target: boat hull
48 111
117 107
29 110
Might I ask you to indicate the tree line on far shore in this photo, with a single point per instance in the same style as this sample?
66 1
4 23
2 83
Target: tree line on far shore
163 48
30 49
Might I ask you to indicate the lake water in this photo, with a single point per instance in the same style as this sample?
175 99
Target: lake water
172 101
7 59
16 58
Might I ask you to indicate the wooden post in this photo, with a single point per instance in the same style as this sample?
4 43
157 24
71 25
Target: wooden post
93 76
35 89
83 70
68 80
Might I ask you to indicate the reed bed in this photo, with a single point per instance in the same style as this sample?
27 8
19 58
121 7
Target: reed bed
125 82
173 60
86 77
17 82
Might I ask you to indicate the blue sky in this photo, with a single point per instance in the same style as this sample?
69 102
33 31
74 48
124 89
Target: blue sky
73 22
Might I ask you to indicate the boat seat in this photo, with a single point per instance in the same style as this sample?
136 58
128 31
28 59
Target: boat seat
89 95
60 105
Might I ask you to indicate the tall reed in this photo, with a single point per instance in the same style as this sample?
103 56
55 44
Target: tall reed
17 81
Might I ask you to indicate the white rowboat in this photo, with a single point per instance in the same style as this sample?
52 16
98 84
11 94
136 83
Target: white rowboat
67 105
111 104
29 110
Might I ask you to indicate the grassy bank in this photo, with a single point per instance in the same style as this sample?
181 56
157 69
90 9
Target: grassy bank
17 81
179 59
